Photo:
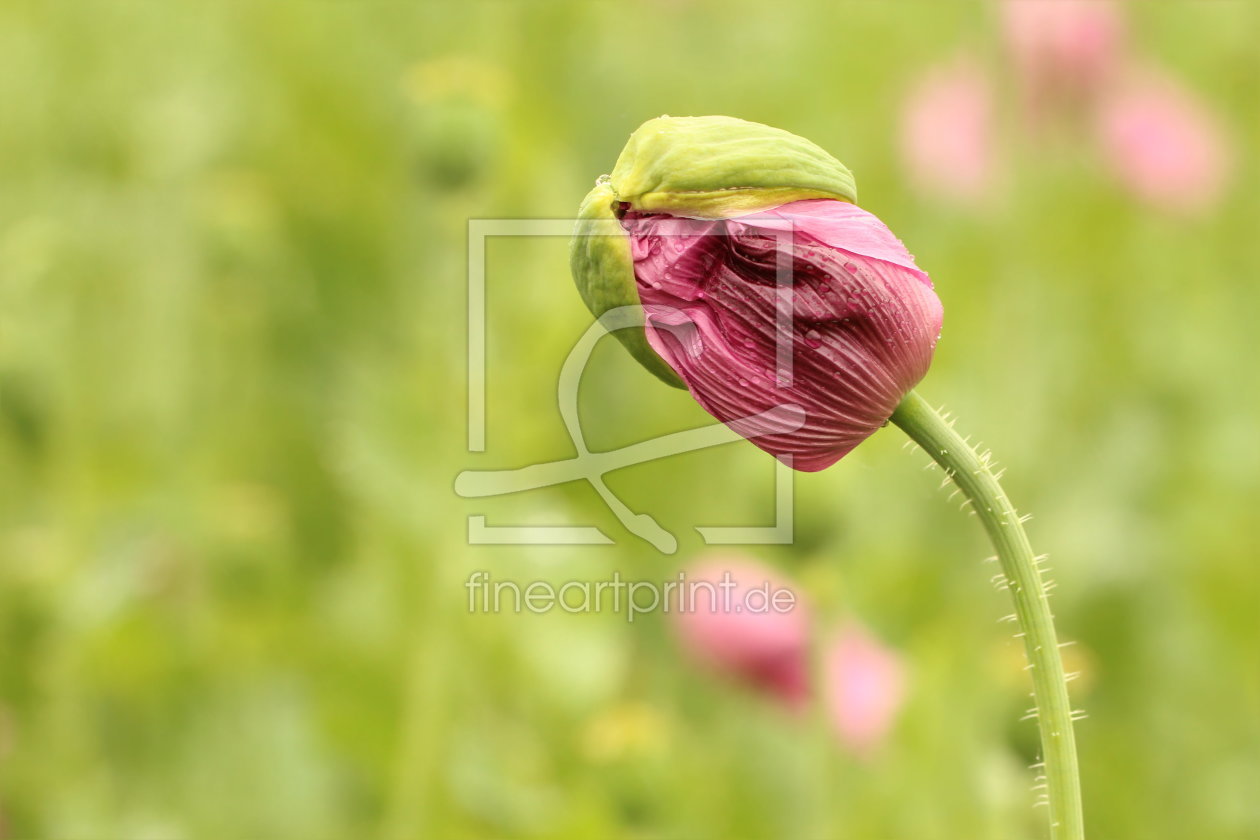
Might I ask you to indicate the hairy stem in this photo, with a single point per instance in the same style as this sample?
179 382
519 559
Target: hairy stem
971 472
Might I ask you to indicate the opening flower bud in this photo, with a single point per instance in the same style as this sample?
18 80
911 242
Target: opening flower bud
762 285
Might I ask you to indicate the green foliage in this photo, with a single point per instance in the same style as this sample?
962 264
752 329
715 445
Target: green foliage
232 407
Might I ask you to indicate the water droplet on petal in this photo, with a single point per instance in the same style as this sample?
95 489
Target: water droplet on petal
813 339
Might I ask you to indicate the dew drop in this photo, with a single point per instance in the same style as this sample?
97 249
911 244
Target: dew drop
850 267
743 383
813 339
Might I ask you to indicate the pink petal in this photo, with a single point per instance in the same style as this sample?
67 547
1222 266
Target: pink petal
862 328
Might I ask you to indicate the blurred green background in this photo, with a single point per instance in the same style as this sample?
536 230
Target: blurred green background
232 407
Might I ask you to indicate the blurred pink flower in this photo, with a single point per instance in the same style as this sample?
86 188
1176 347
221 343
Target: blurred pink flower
947 128
864 690
724 623
1064 51
1163 144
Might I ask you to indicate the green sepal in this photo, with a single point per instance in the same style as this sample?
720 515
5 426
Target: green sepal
603 269
718 167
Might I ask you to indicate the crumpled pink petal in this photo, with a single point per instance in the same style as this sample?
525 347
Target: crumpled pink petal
862 320
766 650
865 686
1163 144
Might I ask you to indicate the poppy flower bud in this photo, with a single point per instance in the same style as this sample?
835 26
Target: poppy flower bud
761 284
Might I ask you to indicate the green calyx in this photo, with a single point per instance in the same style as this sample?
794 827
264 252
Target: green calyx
718 167
696 167
599 257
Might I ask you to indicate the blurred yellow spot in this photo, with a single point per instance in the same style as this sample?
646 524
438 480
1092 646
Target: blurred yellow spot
624 731
239 201
1079 663
37 555
1081 666
456 77
249 512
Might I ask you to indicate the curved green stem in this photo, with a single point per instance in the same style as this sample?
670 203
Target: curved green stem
971 472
